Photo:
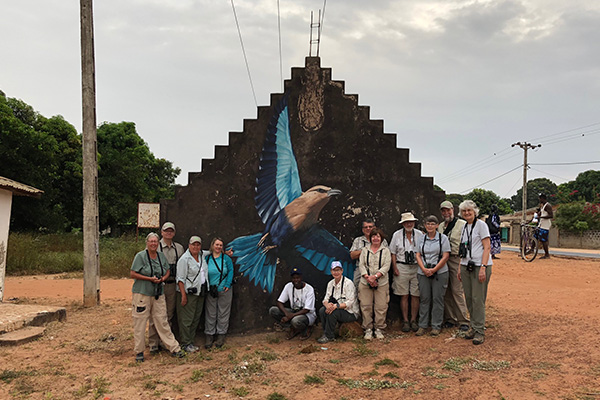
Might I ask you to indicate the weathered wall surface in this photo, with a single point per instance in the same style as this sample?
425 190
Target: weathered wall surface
336 144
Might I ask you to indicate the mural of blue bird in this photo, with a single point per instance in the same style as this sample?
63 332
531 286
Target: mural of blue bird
290 215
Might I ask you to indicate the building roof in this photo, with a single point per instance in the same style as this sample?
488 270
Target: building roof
19 189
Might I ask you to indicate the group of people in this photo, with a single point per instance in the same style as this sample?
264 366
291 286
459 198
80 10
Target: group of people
170 280
438 274
441 276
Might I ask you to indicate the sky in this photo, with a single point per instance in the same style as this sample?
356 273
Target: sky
457 81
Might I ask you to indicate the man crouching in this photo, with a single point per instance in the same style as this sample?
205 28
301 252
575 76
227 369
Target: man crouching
301 315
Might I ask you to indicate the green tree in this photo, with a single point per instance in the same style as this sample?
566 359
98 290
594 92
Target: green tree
578 216
128 173
534 188
587 185
484 200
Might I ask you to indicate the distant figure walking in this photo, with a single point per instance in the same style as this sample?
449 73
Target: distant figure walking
493 222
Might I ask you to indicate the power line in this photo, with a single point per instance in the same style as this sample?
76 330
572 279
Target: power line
512 187
280 58
568 163
578 135
567 131
493 179
477 166
547 173
244 51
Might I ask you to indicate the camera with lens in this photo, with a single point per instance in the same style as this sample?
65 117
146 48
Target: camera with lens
157 289
192 290
462 250
409 257
471 266
203 289
332 300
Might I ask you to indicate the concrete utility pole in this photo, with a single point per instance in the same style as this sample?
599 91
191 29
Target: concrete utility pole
91 226
525 146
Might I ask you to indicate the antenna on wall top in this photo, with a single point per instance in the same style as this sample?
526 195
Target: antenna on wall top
315 39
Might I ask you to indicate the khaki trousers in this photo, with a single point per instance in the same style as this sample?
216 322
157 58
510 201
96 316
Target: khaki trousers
374 305
145 309
455 307
475 295
170 295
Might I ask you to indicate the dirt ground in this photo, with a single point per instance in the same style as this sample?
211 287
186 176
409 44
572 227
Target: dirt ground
541 343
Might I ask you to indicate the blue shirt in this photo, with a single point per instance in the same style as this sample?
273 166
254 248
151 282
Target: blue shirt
430 250
221 271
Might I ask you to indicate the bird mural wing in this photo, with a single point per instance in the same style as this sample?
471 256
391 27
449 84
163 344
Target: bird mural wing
277 181
320 248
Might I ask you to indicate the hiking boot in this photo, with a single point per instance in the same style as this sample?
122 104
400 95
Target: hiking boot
220 340
154 350
178 354
324 339
210 339
190 348
449 324
405 326
368 334
379 334
464 327
470 334
139 357
478 339
414 326
421 332
435 332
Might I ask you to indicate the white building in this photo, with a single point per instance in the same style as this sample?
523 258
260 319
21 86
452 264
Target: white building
8 188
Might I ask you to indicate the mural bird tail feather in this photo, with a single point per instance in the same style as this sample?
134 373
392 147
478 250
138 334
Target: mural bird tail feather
256 262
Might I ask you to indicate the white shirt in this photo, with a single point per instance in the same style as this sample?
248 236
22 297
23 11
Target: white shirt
344 293
545 223
191 272
300 299
475 235
400 243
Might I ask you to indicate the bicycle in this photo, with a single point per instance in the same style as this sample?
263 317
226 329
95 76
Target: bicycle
529 242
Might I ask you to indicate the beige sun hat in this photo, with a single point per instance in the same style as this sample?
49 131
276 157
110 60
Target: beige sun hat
407 217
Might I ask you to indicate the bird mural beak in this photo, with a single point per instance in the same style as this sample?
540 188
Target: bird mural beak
334 192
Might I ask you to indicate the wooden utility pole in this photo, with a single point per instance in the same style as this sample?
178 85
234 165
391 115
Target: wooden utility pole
525 147
91 228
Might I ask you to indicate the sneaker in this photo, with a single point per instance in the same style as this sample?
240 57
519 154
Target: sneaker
178 354
368 334
464 327
414 326
324 339
210 339
470 334
379 334
139 357
435 332
449 324
544 257
421 332
190 348
220 341
154 350
406 326
478 339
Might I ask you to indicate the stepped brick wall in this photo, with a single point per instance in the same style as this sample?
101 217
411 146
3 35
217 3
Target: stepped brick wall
336 144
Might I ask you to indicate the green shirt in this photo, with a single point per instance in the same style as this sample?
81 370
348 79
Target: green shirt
140 265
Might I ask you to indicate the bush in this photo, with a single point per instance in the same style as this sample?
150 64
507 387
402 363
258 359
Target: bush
578 216
32 253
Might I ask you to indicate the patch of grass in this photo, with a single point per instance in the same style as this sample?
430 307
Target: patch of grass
82 391
100 387
490 365
232 357
391 375
23 387
240 391
273 339
543 365
276 396
362 350
197 375
456 364
373 384
440 386
248 368
371 373
334 361
430 371
8 375
313 380
266 354
386 361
